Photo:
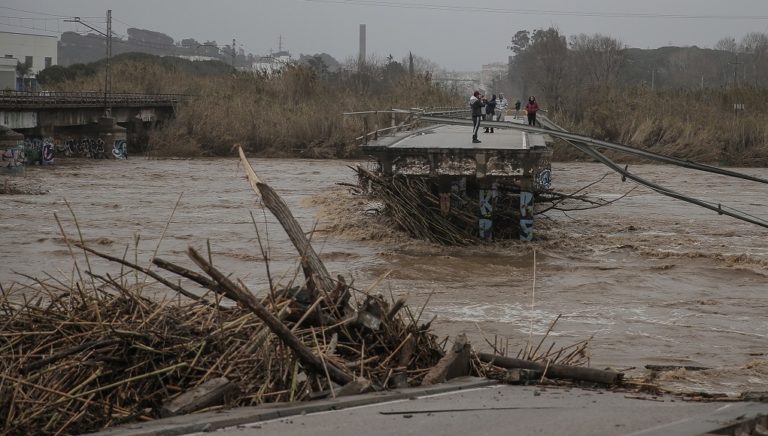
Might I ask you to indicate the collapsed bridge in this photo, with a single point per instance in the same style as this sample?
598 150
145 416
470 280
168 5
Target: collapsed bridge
489 190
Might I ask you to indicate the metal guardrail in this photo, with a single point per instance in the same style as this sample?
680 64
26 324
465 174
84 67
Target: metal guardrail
45 99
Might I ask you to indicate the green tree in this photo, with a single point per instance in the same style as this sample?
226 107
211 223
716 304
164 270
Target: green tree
543 62
54 75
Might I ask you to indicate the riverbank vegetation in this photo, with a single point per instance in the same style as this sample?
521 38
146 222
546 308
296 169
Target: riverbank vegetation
701 104
294 112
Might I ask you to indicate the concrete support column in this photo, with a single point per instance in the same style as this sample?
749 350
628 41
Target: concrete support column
485 222
526 216
113 138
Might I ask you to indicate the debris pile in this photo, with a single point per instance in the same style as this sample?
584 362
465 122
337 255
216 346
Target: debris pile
83 358
410 202
98 352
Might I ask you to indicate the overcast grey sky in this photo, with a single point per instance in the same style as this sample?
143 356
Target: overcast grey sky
457 34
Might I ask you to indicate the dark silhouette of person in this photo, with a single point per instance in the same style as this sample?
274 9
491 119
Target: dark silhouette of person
476 104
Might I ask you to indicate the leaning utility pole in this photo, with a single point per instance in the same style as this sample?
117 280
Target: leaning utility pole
108 79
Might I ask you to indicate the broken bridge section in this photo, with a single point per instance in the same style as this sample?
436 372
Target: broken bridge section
499 177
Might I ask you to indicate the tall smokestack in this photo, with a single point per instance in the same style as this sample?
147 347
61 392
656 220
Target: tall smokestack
361 57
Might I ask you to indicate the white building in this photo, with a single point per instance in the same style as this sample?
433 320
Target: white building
7 74
272 63
36 51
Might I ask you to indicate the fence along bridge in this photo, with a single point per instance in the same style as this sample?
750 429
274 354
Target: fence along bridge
514 161
16 100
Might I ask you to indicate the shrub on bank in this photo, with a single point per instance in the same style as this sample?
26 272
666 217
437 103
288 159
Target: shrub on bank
699 125
296 112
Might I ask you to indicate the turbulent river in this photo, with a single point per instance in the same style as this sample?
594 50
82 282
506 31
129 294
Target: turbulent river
652 280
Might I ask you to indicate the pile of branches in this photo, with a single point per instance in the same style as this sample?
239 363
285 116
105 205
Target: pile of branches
97 352
77 359
413 206
409 201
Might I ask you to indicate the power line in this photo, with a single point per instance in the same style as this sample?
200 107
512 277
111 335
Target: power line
31 28
31 18
481 9
40 13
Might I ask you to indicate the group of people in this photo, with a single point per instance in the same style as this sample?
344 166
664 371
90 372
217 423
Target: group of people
495 109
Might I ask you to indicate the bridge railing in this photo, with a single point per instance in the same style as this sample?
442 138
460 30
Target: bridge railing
91 99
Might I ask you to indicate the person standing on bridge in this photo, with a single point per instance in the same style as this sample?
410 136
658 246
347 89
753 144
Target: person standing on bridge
490 111
501 107
531 108
476 104
517 108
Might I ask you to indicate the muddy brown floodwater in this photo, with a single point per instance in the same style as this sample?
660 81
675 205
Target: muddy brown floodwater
653 280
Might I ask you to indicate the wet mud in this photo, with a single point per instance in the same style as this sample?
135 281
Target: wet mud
652 279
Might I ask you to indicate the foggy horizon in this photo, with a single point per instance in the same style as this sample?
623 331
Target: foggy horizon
450 33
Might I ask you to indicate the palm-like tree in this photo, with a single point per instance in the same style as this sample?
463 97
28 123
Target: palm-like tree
23 70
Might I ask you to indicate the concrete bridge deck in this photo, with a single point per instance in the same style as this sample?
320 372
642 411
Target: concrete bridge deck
459 138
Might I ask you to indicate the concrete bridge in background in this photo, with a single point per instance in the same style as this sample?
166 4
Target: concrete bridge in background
22 111
82 123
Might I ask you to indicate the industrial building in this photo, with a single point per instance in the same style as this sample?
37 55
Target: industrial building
37 52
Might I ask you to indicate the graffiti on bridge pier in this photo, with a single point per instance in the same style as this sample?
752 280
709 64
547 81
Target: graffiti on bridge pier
120 149
38 151
91 148
41 151
13 157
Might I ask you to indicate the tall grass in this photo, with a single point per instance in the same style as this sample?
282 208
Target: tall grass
292 113
699 125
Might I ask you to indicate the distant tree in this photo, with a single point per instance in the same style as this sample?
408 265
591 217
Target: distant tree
393 71
318 67
23 70
727 44
543 63
597 57
55 74
755 44
520 41
421 64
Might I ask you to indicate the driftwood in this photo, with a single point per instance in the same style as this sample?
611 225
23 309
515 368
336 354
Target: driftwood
576 373
210 393
313 266
454 364
249 301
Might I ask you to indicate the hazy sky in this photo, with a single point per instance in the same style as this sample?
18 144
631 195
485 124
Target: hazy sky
457 34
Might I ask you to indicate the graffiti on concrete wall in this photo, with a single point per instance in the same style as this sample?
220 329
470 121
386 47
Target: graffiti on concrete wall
526 216
13 157
485 223
88 148
38 151
120 149
42 151
543 178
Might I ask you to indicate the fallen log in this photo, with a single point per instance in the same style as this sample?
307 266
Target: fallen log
313 266
576 373
208 394
454 364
